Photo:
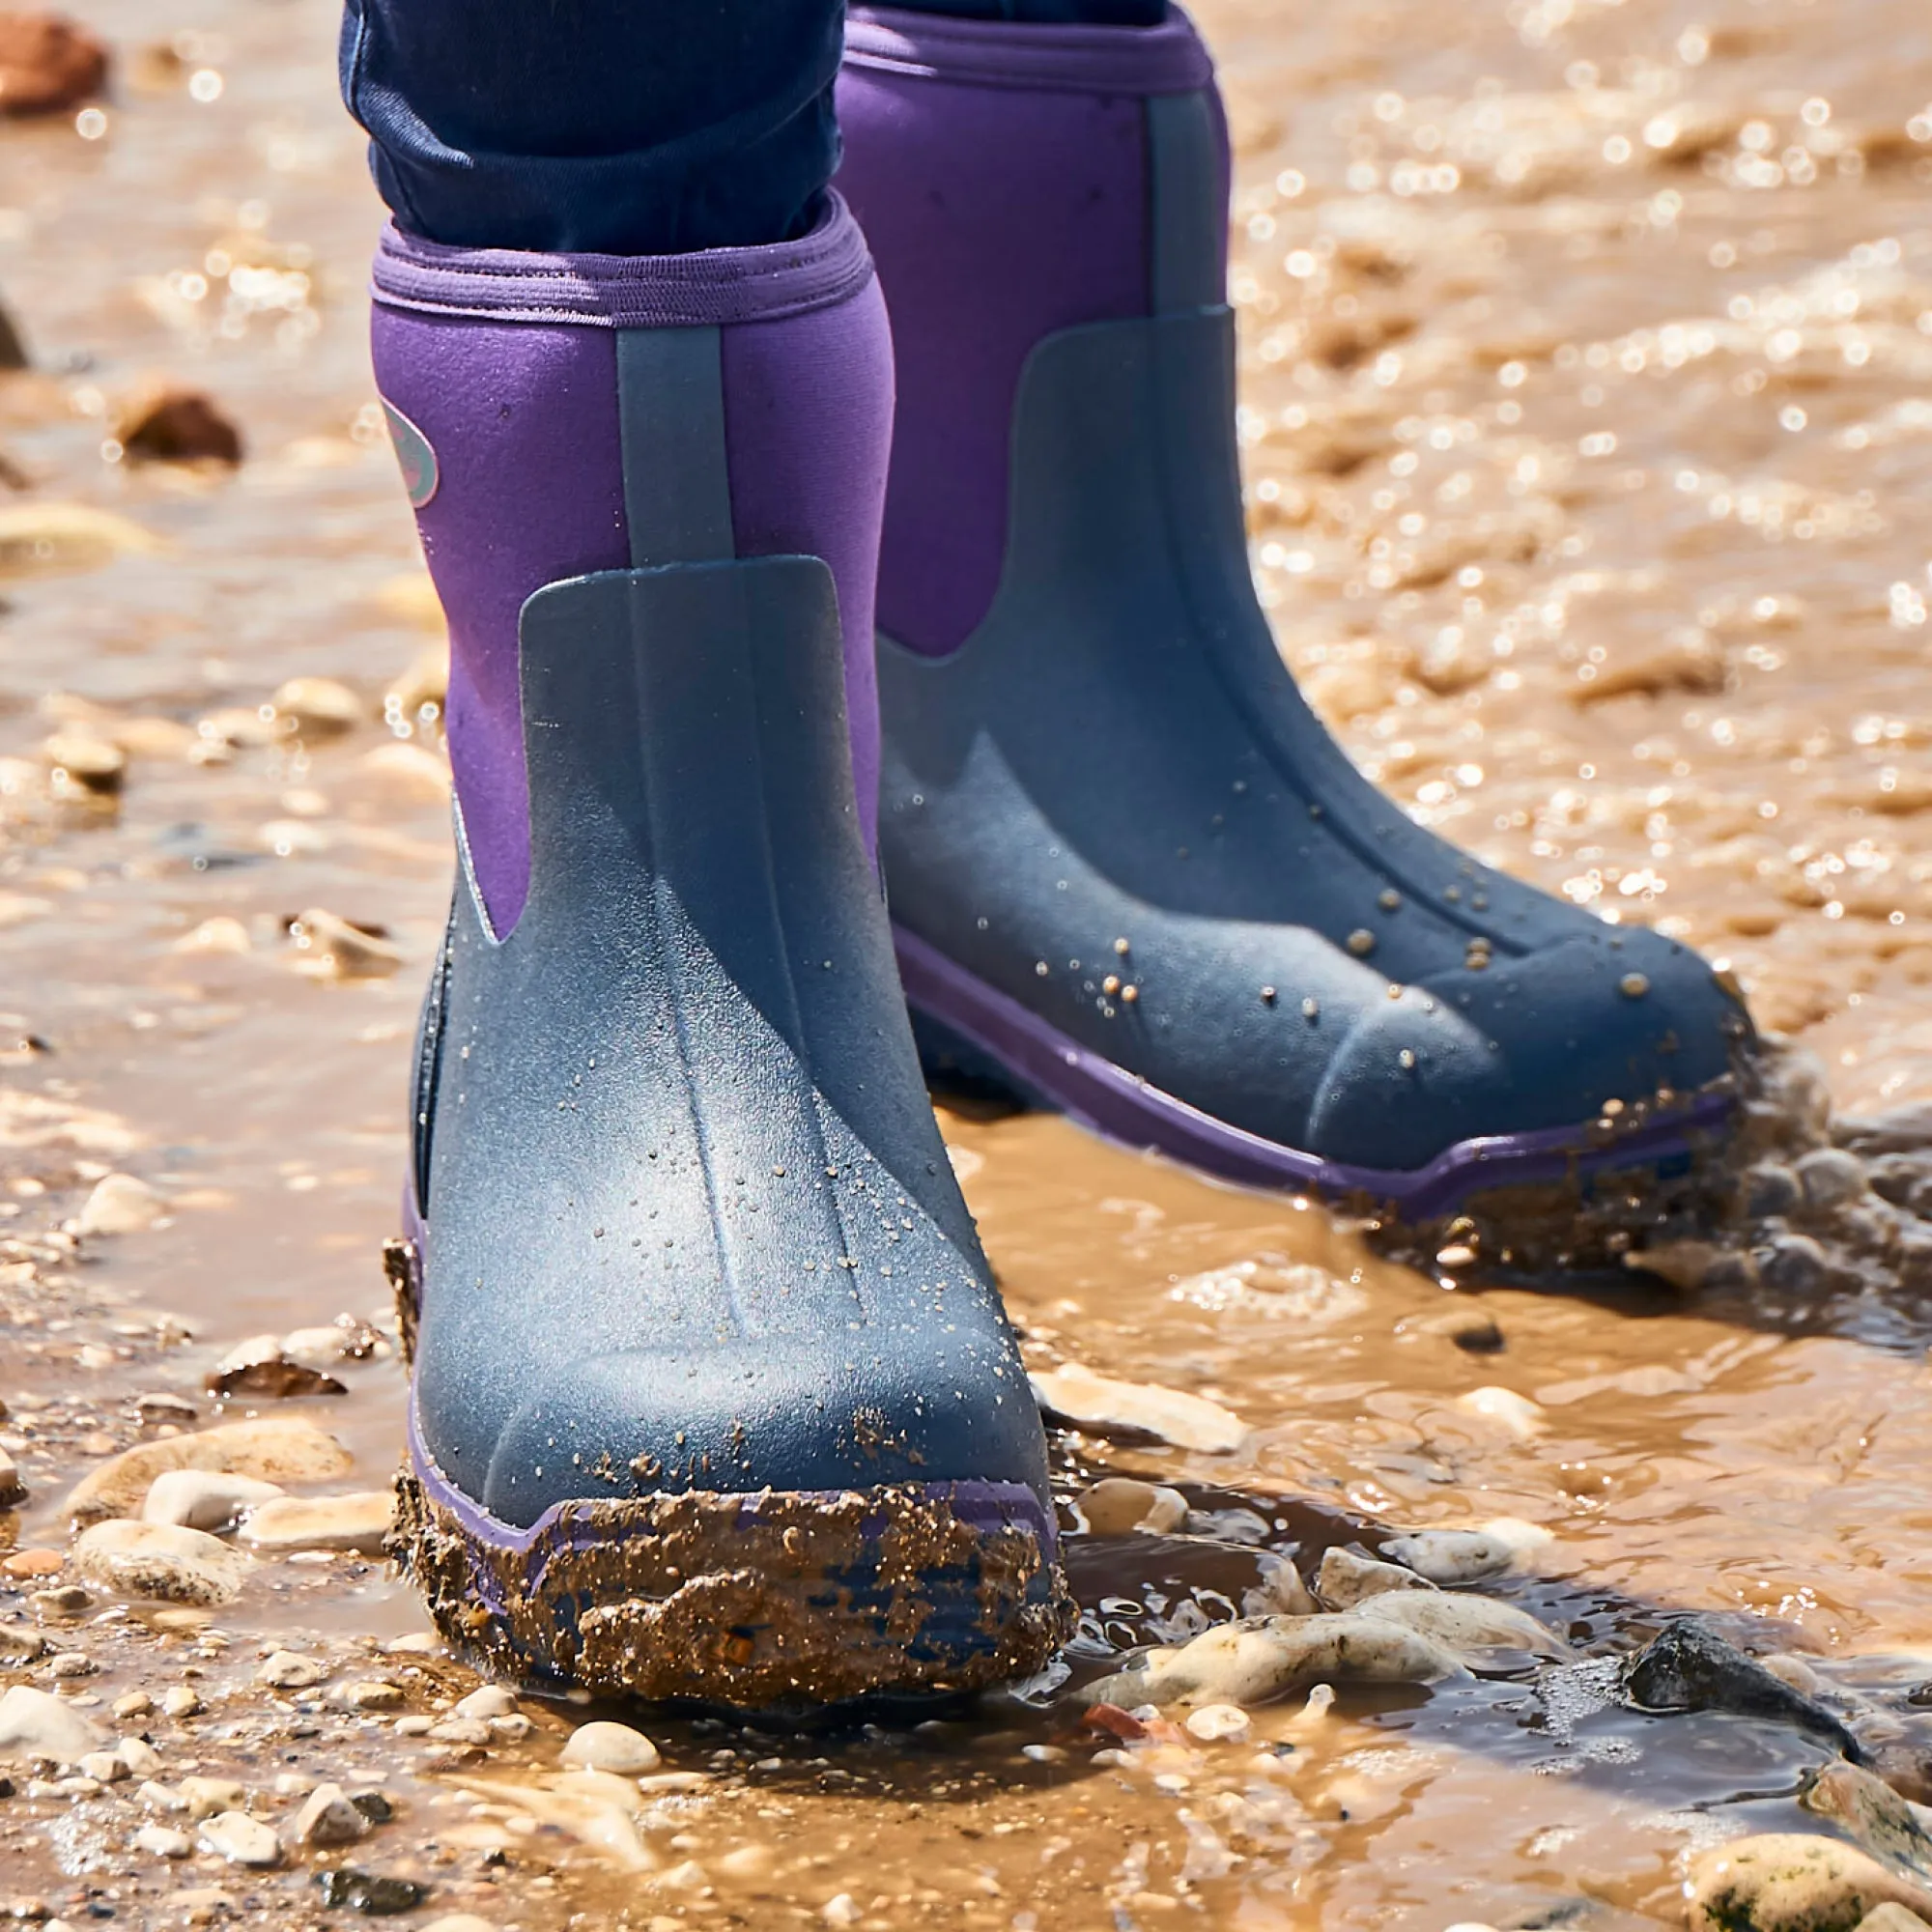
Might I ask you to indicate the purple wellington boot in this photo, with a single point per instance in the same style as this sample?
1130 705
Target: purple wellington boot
1130 871
711 1396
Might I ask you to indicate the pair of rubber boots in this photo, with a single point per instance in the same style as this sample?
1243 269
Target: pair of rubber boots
712 1394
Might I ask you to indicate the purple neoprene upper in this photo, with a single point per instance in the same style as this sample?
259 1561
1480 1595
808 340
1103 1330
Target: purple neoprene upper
1001 173
507 364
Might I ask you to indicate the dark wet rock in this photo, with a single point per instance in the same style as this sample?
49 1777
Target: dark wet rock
273 1377
180 426
1905 1180
47 64
1795 1263
348 1890
1771 1189
1688 1667
374 1805
13 351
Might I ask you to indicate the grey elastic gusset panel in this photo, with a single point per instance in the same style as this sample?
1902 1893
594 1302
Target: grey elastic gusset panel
1118 754
1188 217
692 1223
671 414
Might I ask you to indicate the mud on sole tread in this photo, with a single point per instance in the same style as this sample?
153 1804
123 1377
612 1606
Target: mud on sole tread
764 1601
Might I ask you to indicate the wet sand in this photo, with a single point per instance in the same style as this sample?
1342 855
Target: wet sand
1587 352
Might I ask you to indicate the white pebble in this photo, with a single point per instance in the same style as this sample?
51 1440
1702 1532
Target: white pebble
841 1910
240 1839
209 1499
326 1818
118 1204
36 1724
489 1701
289 1671
1517 1413
1213 1722
615 1747
164 1842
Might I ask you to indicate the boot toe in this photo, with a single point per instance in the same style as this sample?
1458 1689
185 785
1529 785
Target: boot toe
1525 1046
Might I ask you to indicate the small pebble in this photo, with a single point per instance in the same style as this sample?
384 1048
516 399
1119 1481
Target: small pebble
460 1731
326 1818
289 1671
1829 1176
21 1564
1098 1402
210 1797
1517 1413
164 1842
613 1747
134 1704
841 1910
207 1499
355 1523
1345 1579
1788 1882
179 1701
240 1839
353 1890
1215 1721
36 1724
1120 1505
12 1490
371 1694
161 1561
490 1700
1453 1556
118 1204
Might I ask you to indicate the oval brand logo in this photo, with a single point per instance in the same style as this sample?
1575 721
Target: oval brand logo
415 454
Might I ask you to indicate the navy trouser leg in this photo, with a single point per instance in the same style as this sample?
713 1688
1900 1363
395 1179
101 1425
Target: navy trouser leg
617 126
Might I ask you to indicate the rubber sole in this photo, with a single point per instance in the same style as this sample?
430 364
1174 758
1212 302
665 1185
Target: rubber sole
1666 1143
780 1600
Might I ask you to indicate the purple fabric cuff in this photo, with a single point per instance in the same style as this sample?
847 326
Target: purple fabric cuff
1168 59
708 289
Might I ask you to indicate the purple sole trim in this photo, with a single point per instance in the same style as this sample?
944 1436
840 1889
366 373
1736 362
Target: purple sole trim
1121 1107
986 1506
708 288
1168 59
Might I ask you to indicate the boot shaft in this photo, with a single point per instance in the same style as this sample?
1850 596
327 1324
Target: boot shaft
1014 182
562 415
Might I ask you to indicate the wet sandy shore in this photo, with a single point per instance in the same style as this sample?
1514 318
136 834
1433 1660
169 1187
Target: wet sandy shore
1586 357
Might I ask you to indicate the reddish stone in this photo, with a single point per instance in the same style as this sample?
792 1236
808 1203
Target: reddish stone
181 426
33 1563
47 64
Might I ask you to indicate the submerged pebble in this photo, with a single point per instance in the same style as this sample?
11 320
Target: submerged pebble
1346 1579
326 1818
1078 1395
1258 1660
1474 1628
1453 1556
1120 1505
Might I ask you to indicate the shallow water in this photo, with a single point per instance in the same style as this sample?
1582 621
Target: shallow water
1586 351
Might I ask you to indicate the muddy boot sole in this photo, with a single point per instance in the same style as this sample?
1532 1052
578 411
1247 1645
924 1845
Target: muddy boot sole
761 1602
771 1601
